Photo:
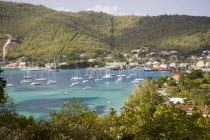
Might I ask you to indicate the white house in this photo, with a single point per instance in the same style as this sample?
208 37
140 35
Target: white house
200 64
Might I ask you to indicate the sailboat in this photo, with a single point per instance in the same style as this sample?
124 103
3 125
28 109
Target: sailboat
74 84
28 76
107 75
119 79
98 75
75 78
52 80
10 82
26 79
41 78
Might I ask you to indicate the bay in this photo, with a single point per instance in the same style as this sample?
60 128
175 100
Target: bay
42 99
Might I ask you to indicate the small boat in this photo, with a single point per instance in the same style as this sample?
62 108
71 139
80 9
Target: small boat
109 102
85 81
74 84
35 83
26 81
51 82
89 76
75 78
112 74
128 77
9 85
35 69
119 79
121 75
41 79
107 76
65 93
98 79
137 80
87 88
27 77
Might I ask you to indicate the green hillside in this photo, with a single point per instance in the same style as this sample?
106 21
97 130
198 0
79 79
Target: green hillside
44 34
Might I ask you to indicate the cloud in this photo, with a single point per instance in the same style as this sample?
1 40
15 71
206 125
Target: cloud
64 9
106 9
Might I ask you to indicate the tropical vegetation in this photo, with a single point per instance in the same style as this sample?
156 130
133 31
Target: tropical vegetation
44 34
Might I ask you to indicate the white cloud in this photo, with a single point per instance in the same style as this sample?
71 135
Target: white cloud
106 9
64 9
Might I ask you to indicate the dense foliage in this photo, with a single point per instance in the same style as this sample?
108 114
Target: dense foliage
44 34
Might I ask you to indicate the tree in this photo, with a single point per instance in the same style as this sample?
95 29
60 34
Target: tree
145 97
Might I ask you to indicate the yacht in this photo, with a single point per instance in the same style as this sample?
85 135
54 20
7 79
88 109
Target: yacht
35 83
41 78
26 81
119 79
51 81
85 81
75 78
87 88
10 85
98 79
74 84
107 76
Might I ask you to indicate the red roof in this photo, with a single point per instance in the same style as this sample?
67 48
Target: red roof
176 77
188 108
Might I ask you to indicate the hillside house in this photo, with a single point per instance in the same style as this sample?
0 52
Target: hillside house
188 108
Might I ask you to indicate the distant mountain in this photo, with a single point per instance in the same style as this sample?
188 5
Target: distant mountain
45 33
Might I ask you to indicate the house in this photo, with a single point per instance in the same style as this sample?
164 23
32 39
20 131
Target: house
200 64
173 52
116 65
22 65
188 108
137 51
136 55
175 77
91 60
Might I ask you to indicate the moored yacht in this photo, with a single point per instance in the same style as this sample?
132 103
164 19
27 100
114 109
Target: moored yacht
35 83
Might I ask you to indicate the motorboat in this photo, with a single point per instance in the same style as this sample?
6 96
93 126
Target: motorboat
41 79
74 84
121 75
128 77
26 81
27 77
98 79
75 78
35 83
85 81
87 88
119 79
9 85
51 81
107 76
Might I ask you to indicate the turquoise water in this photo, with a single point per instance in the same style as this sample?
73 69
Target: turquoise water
42 99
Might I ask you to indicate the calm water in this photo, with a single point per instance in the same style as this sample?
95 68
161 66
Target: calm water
42 99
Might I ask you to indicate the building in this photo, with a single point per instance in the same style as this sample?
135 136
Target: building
200 64
116 65
188 108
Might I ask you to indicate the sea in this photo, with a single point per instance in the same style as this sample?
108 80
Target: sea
40 100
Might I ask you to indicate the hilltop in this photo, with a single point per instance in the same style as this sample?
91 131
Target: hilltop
44 34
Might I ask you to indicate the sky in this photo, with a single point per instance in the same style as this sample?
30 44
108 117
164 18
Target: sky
129 7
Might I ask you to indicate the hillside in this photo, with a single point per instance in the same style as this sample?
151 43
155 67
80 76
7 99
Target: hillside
44 33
